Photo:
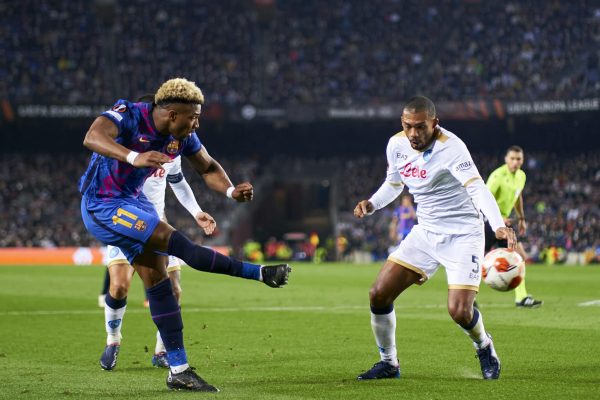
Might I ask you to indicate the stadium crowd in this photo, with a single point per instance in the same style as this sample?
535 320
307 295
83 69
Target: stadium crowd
40 202
276 53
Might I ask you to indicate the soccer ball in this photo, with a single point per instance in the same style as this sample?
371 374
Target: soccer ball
503 269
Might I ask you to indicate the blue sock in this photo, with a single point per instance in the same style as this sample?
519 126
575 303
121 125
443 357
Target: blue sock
114 303
208 260
473 322
382 310
166 314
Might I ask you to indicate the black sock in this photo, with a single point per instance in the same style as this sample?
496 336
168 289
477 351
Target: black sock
208 260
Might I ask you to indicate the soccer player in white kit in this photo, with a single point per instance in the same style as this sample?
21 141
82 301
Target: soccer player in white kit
438 170
121 271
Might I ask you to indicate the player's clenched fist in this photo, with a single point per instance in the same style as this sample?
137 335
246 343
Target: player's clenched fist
243 192
363 208
152 159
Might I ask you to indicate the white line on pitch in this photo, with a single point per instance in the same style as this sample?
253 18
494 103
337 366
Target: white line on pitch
590 303
332 309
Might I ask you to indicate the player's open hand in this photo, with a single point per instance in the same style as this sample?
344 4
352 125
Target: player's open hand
506 233
363 208
243 192
206 222
151 159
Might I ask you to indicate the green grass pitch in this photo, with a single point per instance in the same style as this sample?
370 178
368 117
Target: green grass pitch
306 341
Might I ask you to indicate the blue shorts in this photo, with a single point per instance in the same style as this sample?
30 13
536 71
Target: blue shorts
126 223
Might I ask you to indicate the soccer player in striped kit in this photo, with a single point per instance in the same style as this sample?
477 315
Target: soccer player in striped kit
130 142
121 271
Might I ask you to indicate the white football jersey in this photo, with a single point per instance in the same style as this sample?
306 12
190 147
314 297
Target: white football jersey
156 184
437 179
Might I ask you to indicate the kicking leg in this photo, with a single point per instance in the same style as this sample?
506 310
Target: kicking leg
392 280
166 239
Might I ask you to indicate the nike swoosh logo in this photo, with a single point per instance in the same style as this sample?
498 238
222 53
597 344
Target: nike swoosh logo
144 140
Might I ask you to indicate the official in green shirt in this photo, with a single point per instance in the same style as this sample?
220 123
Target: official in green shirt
506 184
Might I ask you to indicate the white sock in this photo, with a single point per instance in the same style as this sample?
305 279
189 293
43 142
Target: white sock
180 368
384 329
113 319
160 346
477 332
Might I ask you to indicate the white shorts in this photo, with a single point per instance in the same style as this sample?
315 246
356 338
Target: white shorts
114 255
424 251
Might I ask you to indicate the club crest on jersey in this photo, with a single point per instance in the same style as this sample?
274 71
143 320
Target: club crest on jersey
140 225
120 108
427 155
173 147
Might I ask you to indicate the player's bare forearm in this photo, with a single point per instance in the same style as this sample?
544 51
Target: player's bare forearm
210 170
100 139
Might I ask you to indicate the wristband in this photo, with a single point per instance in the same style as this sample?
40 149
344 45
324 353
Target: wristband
132 156
229 192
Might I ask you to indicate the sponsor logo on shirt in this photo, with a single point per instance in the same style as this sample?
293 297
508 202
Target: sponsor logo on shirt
401 156
463 166
159 173
144 140
409 171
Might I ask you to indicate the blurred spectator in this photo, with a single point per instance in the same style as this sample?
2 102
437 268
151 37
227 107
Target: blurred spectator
40 203
301 52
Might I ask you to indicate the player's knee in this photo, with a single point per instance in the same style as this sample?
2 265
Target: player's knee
161 235
378 297
461 313
119 289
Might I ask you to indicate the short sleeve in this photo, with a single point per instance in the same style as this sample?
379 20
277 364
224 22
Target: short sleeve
192 145
121 114
462 166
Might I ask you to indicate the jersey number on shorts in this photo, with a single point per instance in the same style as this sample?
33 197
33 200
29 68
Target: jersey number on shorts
475 261
116 219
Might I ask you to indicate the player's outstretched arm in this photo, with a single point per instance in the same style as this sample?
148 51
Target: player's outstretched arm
100 138
186 198
483 199
386 193
216 178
